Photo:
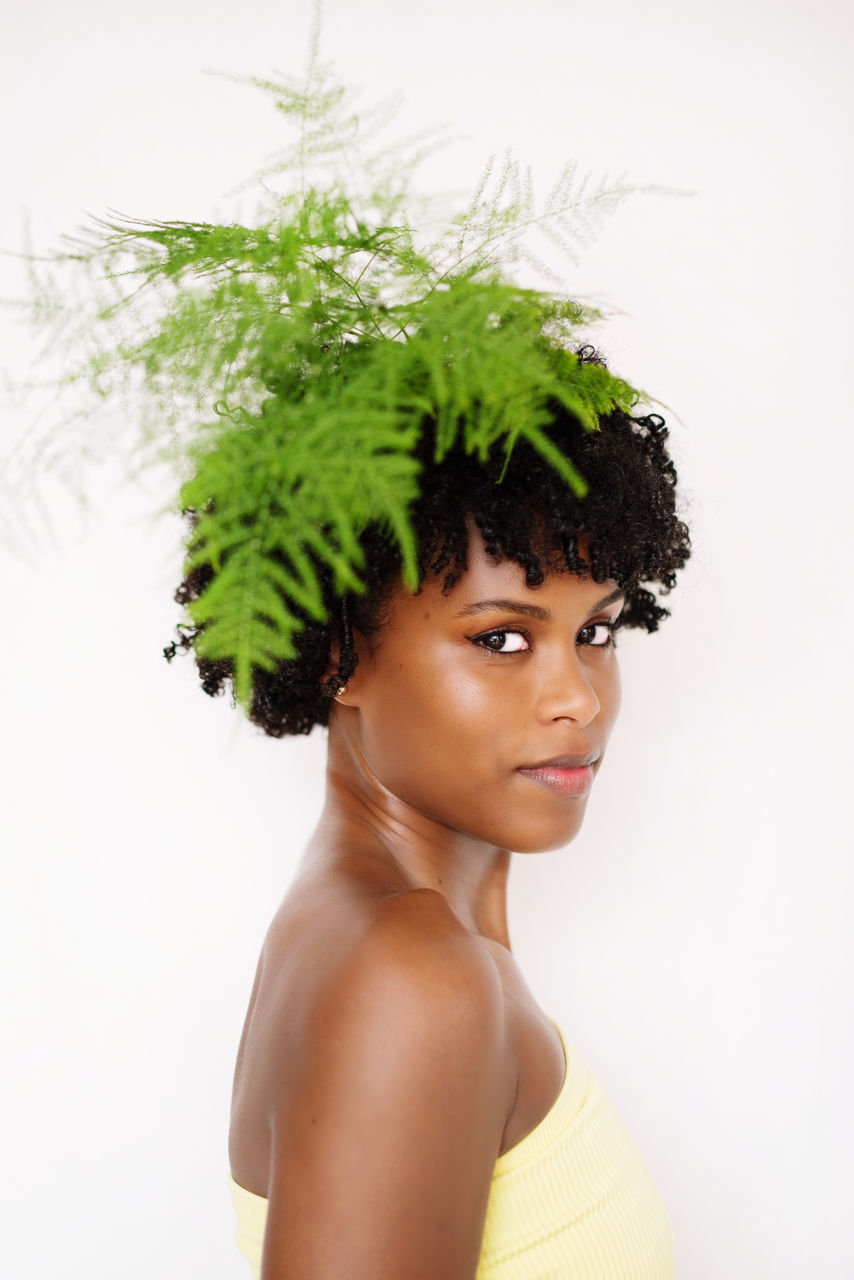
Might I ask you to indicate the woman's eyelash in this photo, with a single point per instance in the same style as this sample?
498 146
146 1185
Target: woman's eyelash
613 628
501 633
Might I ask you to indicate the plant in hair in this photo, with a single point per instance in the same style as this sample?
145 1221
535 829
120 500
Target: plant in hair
300 373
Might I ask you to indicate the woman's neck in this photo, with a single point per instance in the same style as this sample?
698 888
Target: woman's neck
367 832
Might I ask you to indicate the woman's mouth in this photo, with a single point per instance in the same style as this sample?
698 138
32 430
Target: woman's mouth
562 781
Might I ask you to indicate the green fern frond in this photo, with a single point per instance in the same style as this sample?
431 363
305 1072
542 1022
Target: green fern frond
286 367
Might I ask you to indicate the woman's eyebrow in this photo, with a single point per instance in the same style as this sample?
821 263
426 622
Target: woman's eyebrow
609 599
530 610
506 606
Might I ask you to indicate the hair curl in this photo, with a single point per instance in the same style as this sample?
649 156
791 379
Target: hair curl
531 516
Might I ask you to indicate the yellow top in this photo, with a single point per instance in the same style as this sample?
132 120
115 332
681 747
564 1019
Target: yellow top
572 1199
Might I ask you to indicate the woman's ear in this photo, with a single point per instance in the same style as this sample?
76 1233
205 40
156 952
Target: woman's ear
343 691
333 666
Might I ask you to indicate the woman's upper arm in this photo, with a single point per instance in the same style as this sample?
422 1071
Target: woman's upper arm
389 1119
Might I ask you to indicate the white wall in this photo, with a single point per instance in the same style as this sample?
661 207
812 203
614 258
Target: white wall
692 941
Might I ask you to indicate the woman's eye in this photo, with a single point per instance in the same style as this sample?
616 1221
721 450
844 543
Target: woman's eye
602 634
503 641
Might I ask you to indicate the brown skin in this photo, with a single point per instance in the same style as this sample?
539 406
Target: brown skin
392 1049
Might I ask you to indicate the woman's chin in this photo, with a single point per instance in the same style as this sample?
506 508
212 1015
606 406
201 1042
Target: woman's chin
544 837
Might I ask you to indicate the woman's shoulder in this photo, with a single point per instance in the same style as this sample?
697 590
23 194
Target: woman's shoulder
413 965
378 987
386 1109
334 945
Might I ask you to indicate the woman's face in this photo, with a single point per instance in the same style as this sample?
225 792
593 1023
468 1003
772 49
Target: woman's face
466 699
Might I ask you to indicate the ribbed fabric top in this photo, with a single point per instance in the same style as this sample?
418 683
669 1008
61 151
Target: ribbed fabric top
572 1201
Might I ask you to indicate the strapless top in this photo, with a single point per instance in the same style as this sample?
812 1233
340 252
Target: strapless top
573 1200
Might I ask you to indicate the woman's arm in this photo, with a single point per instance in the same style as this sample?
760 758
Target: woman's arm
386 1129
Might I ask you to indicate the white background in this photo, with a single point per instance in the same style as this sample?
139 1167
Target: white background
693 942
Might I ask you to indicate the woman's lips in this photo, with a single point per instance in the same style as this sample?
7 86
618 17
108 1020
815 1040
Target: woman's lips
563 782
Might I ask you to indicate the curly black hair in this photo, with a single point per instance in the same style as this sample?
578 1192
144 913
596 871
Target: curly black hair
527 514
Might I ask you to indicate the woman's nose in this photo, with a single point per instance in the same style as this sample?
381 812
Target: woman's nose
567 693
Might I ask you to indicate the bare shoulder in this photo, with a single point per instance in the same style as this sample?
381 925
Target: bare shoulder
418 936
415 994
388 1119
418 963
403 947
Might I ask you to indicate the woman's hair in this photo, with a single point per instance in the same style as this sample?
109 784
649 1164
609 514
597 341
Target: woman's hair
525 511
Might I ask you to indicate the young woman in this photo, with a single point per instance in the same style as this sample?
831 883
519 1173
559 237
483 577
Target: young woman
402 1106
420 511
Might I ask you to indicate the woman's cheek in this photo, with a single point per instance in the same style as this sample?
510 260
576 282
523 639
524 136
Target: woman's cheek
468 693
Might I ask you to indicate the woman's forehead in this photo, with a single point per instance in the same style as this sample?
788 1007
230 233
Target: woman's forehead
490 578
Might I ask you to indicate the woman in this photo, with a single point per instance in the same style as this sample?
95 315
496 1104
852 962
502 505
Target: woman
402 1106
419 511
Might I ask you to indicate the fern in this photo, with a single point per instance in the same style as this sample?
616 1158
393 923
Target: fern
285 367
